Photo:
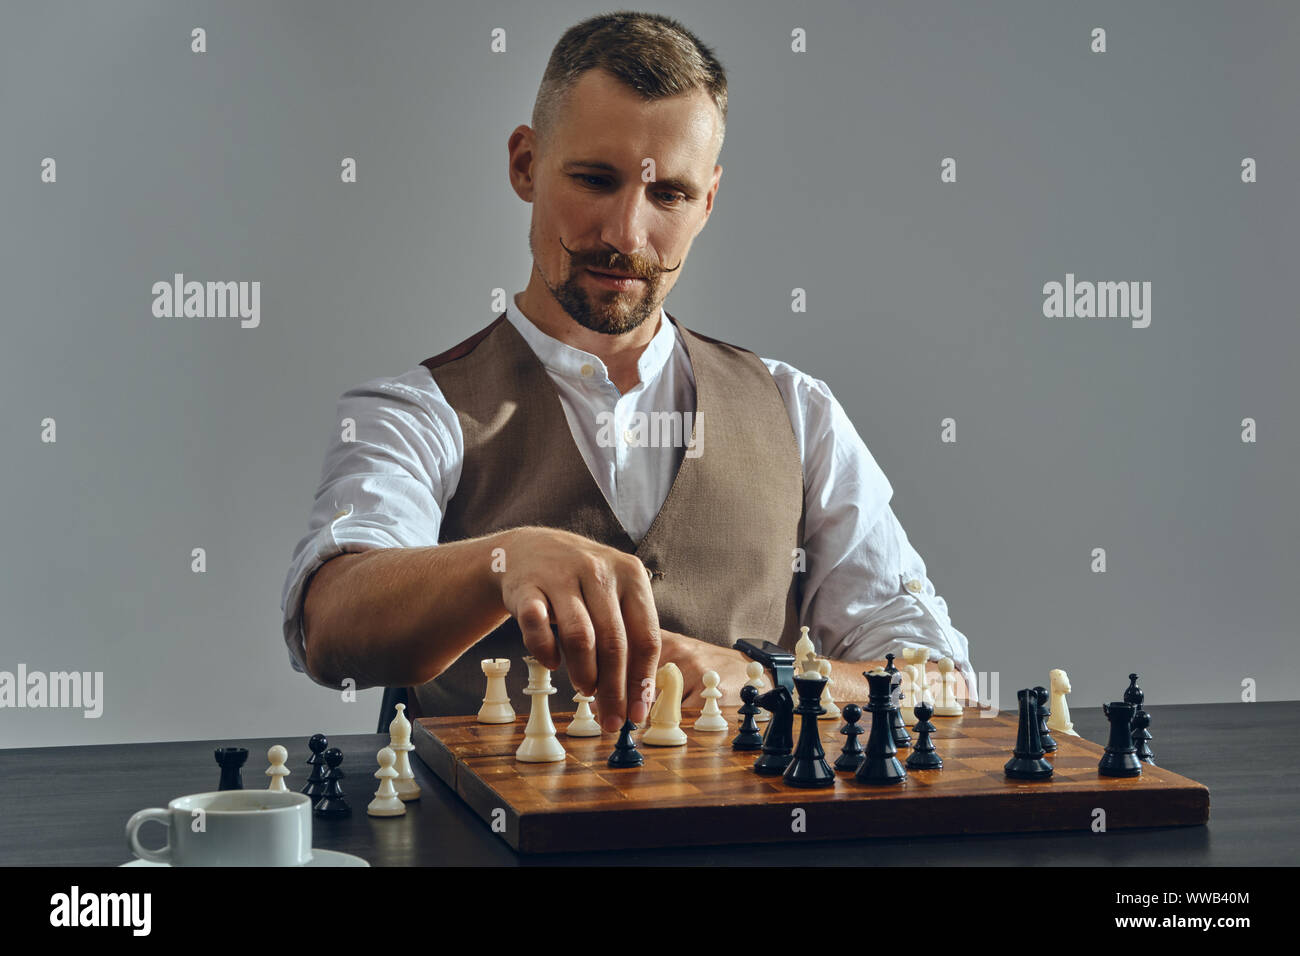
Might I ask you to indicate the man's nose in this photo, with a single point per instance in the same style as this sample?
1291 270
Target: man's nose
625 226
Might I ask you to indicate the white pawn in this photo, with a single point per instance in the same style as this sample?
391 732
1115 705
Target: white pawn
277 755
947 705
386 802
828 703
914 684
540 744
496 707
711 717
399 739
804 649
926 678
584 721
754 671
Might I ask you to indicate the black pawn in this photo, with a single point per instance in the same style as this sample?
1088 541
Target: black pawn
1027 762
625 753
332 803
896 726
880 765
808 766
850 757
1044 711
1120 758
230 759
923 723
315 786
1141 720
923 755
749 737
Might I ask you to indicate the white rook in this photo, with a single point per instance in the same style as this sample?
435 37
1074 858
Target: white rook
496 707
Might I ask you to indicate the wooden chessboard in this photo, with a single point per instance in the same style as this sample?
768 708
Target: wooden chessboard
706 793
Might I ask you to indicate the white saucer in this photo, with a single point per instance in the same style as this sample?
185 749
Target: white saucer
318 858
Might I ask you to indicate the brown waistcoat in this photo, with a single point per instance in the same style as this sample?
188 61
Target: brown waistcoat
721 549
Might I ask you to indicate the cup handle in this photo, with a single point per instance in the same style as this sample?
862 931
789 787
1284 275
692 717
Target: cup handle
161 855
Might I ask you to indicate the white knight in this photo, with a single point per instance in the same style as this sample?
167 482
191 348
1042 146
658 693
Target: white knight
1059 722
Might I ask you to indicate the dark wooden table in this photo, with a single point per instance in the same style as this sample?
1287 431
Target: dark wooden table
68 806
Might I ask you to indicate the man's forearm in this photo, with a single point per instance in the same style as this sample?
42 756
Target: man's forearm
400 616
850 685
694 657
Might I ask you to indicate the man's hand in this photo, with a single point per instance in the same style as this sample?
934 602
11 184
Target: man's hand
694 657
590 605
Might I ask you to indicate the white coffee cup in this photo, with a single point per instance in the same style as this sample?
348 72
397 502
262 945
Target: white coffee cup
229 828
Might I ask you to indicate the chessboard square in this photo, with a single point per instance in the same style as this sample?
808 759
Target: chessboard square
948 731
798 796
966 747
588 795
735 781
685 761
556 793
629 777
946 776
719 783
638 783
1077 780
713 770
719 788
498 767
554 768
488 748
1085 762
982 727
969 742
710 769
927 778
668 793
988 763
576 778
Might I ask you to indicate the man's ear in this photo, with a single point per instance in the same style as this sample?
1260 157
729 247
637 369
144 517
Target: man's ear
522 147
708 199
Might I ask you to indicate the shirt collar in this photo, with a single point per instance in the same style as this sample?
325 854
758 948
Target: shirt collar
564 359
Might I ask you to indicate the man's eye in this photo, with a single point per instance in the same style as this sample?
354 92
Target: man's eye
586 178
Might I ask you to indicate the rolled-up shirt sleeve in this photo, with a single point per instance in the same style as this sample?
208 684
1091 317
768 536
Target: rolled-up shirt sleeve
390 469
866 591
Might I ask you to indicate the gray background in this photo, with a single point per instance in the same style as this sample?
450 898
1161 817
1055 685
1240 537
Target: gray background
924 302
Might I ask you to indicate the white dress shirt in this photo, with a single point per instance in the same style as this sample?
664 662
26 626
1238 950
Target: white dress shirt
866 591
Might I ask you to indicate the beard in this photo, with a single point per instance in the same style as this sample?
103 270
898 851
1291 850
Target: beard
606 311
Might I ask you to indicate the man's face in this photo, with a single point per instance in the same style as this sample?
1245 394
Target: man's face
592 209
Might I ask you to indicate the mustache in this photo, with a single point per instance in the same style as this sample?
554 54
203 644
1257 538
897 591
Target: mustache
615 263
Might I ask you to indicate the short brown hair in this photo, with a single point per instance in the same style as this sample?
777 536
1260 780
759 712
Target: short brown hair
651 54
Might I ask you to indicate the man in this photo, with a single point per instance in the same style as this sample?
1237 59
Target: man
502 498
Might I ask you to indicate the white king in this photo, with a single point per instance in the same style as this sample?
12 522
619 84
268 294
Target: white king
540 743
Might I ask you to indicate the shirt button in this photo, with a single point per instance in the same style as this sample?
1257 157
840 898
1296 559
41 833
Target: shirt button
587 371
629 436
914 585
342 513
